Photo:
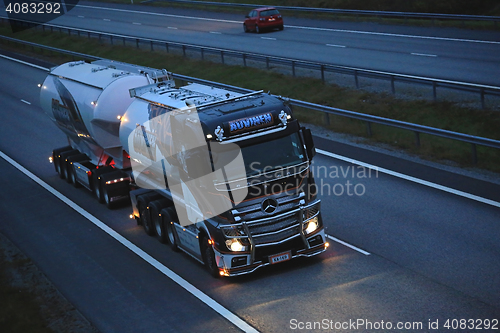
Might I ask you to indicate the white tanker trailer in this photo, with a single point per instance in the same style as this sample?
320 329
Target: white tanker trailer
224 177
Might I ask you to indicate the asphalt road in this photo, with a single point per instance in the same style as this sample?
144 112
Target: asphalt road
443 53
433 255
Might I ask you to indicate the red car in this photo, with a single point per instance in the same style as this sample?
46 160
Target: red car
263 18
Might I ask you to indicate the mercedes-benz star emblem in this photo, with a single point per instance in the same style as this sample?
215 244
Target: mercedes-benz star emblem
269 206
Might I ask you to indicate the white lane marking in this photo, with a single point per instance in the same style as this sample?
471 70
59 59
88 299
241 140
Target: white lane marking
136 23
268 38
397 35
216 32
334 45
81 16
412 179
107 20
25 102
24 63
300 27
174 28
366 165
348 245
238 322
424 55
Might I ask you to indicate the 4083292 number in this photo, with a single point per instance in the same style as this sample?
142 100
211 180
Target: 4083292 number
33 8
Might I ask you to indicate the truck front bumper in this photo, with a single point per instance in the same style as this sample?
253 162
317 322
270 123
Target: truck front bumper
237 264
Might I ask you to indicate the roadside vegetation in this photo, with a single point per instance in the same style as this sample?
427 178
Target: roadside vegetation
444 115
30 303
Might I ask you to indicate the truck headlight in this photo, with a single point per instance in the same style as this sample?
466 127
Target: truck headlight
235 245
312 225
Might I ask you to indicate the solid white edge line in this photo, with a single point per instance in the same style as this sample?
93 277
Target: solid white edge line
25 102
348 245
412 179
234 319
24 62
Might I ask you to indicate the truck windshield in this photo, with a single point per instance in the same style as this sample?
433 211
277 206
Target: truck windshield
279 153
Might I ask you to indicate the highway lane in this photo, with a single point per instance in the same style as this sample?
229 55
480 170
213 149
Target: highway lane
451 54
427 262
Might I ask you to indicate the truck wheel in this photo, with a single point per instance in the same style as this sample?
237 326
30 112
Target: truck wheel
97 182
69 167
157 210
56 158
67 171
144 215
98 188
73 178
245 28
208 255
168 219
257 29
63 164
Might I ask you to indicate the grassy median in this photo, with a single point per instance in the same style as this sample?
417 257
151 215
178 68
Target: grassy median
444 115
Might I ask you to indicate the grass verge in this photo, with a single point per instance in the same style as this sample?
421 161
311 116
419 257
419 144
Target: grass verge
444 115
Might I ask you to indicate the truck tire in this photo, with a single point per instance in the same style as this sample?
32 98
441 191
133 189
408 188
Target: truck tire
257 29
73 178
64 164
97 182
208 255
70 178
169 218
156 210
56 158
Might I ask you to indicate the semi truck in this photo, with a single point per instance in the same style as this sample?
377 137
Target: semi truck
222 176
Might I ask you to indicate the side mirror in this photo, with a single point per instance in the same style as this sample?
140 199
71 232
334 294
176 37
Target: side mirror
247 16
308 140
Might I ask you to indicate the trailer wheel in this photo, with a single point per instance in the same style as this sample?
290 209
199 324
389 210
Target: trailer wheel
169 218
56 158
208 255
67 171
73 178
97 183
98 188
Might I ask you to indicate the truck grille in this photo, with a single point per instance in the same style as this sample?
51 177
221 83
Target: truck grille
265 229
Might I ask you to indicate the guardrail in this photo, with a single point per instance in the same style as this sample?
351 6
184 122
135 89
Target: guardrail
376 13
481 90
327 110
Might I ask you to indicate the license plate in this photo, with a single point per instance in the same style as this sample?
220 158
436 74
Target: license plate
277 258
